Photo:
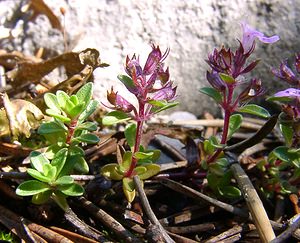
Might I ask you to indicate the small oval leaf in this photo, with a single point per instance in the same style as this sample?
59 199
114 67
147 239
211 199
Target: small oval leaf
255 110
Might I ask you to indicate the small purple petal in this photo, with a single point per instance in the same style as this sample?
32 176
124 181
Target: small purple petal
249 35
291 92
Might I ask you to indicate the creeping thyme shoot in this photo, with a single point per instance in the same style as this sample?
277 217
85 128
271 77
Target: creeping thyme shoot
154 92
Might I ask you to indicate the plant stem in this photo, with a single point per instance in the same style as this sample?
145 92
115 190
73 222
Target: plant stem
71 130
138 136
227 110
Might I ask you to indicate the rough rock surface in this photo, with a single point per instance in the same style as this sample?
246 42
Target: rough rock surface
191 28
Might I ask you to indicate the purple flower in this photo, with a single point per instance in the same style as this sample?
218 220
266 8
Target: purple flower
167 93
215 81
119 102
291 93
287 74
249 35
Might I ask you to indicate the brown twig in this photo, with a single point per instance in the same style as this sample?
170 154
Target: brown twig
108 221
148 211
200 196
191 228
254 204
231 232
82 227
72 236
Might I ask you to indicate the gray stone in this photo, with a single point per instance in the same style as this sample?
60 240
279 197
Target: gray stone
191 28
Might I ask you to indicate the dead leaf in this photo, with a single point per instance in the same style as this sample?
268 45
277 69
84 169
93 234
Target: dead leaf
73 62
40 7
21 115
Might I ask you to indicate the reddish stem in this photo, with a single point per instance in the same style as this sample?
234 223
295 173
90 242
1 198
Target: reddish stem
228 110
138 136
71 130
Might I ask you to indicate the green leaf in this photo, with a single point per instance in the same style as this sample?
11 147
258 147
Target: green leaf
110 171
76 150
38 160
71 190
49 171
38 175
280 99
255 110
52 102
161 105
51 151
87 138
127 160
235 122
90 126
81 165
62 98
130 133
91 107
127 81
227 78
60 160
282 153
64 180
230 192
114 117
215 142
287 132
128 189
216 169
51 127
152 170
31 187
213 93
57 115
143 155
76 110
85 93
41 197
74 100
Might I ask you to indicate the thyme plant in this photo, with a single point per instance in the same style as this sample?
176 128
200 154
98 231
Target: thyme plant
154 92
65 133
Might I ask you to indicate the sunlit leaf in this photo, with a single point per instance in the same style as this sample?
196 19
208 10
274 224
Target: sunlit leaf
71 190
129 189
255 110
52 102
31 187
227 78
59 160
114 117
91 107
287 132
230 192
51 127
84 94
38 175
81 165
235 122
64 180
110 171
38 160
90 126
130 133
87 138
152 170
